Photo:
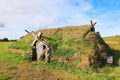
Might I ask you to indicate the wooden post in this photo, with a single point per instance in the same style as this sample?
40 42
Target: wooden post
92 25
36 37
39 35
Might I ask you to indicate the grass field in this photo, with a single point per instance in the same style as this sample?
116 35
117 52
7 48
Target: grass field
4 45
17 67
114 42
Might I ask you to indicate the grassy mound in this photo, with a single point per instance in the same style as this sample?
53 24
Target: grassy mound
73 45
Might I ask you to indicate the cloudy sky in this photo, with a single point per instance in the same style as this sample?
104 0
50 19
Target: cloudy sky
18 15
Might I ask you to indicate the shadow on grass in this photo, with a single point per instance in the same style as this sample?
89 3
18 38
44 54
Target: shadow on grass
116 55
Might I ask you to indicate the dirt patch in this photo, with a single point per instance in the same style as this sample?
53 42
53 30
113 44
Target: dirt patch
24 71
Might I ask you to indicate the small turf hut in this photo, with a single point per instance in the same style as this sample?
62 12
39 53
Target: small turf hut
81 46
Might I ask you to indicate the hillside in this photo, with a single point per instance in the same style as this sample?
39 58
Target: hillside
72 45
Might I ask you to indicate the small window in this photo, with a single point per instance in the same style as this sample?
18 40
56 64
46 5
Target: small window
110 59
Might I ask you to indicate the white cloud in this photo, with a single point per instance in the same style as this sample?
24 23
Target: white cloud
10 34
19 15
2 25
38 14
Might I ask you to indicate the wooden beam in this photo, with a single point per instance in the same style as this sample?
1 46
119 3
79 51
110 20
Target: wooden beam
92 24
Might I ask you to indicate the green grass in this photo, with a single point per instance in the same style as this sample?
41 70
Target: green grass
4 77
4 45
63 52
21 45
11 57
12 68
105 73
